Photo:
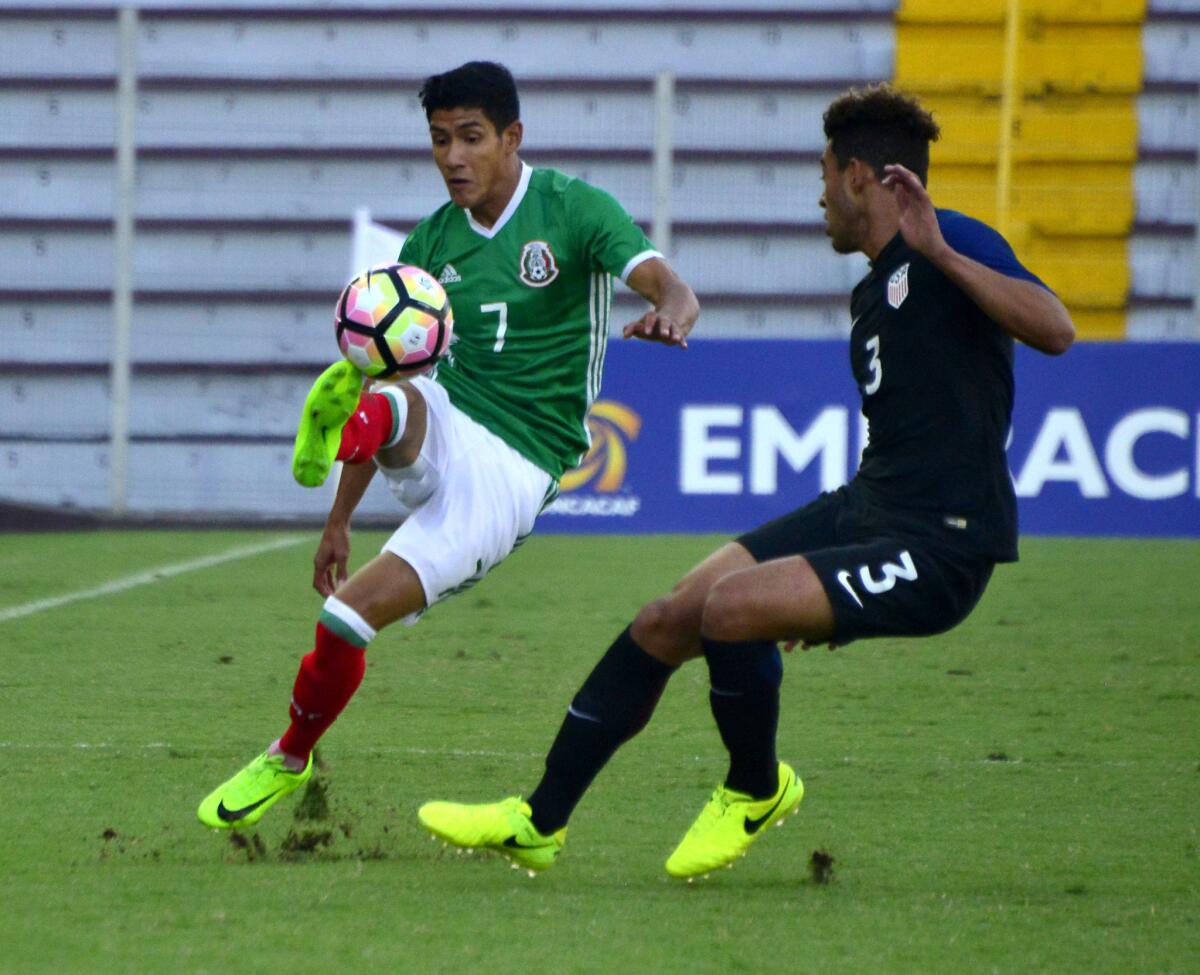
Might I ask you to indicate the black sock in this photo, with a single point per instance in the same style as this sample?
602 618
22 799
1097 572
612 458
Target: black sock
612 706
745 680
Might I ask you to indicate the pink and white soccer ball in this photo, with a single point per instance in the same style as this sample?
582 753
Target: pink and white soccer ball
393 320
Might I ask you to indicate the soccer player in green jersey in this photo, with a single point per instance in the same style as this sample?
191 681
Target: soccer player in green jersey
474 451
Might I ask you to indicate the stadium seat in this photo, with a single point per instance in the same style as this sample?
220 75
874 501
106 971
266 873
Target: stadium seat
1074 138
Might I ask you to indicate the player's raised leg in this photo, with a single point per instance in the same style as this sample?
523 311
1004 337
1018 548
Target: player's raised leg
744 614
341 421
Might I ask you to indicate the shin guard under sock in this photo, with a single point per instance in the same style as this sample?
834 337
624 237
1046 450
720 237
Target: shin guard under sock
328 677
614 704
745 679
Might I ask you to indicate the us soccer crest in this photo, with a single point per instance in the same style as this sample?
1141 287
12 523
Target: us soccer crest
898 286
538 267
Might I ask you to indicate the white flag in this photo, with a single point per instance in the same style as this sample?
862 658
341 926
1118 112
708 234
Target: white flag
373 243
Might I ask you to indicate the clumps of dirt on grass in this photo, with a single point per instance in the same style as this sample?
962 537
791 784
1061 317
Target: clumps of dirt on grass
314 803
307 841
251 844
998 757
111 843
820 867
123 845
376 852
320 844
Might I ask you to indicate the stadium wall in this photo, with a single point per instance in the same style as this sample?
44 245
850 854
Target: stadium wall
247 183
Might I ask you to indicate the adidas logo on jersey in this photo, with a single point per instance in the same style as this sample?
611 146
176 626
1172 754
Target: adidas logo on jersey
449 275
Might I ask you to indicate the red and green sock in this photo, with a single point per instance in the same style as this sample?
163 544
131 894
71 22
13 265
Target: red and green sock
328 677
378 420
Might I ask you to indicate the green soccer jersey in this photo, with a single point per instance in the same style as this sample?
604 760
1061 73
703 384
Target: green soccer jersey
531 298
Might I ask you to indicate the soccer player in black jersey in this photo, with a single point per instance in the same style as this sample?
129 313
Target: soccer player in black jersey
905 549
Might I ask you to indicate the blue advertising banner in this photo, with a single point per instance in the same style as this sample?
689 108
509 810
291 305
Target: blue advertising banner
728 434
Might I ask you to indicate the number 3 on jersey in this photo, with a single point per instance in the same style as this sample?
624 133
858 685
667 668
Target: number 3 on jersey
875 366
502 327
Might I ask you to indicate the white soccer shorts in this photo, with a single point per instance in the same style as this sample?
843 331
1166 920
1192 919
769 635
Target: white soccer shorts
486 499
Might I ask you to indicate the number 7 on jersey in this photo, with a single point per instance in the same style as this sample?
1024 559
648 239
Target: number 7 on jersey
502 327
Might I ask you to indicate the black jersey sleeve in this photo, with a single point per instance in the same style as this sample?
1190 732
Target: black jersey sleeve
975 239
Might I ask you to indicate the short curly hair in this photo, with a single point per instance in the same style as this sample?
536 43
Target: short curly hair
880 125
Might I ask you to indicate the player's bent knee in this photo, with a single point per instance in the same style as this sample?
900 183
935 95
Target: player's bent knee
667 631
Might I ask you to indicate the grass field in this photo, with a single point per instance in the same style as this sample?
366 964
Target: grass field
1020 795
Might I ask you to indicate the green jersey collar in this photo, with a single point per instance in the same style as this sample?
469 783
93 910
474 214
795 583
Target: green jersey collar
517 197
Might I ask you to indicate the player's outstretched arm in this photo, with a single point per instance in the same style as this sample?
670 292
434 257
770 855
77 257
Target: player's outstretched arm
675 306
333 551
1028 312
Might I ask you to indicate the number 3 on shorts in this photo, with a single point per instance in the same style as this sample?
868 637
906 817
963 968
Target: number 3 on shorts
904 568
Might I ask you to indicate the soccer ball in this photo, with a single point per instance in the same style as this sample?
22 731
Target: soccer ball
393 320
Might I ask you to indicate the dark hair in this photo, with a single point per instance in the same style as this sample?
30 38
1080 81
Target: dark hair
880 125
485 85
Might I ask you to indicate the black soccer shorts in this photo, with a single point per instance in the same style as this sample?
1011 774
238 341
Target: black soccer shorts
882 577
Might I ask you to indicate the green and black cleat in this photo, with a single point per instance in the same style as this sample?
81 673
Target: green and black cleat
329 404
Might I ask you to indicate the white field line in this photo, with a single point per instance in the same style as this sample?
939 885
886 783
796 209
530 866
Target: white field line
486 753
147 577
158 745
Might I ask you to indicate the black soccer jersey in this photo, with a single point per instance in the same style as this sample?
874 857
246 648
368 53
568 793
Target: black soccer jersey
936 379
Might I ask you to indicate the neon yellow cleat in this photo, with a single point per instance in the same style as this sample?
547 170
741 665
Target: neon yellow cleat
329 404
502 826
729 823
243 799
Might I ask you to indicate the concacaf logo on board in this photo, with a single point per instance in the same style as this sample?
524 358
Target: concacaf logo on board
595 486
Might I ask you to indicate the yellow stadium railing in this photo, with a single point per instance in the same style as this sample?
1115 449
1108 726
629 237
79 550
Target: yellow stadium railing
1037 102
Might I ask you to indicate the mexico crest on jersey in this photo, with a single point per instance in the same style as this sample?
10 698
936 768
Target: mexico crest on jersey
538 267
898 286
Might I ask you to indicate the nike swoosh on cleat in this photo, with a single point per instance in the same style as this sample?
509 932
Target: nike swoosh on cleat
233 815
752 826
514 844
